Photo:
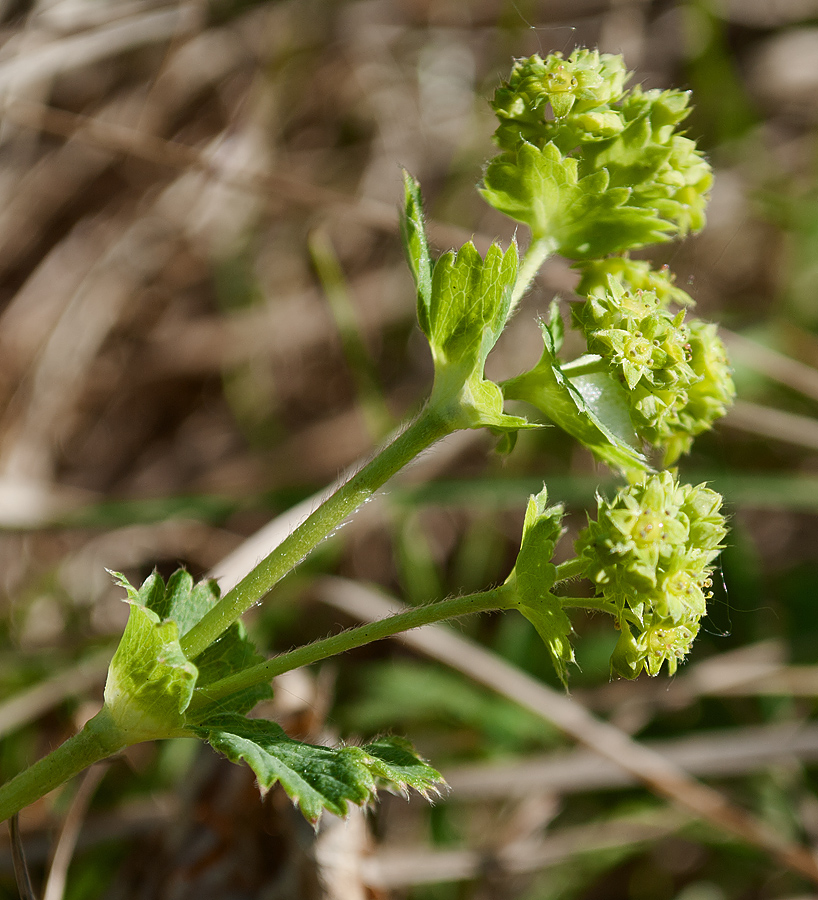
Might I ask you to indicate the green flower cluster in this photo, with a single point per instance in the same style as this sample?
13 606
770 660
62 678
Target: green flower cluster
579 106
579 86
640 337
659 642
637 274
650 555
664 169
676 372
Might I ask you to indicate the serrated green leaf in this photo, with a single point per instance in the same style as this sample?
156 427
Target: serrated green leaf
470 302
534 575
186 603
416 247
464 302
180 599
149 594
317 778
481 401
554 627
534 571
584 217
455 280
547 387
395 764
231 653
497 280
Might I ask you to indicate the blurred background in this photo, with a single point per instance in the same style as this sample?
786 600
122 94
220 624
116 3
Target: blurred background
205 318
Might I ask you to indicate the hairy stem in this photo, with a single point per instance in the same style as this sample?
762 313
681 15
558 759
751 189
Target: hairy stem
536 255
592 603
422 433
571 568
498 598
99 739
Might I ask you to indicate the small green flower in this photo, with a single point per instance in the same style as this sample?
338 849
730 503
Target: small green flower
671 419
665 642
663 169
650 551
712 394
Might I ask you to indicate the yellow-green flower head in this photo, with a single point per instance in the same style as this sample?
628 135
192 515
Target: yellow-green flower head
680 189
643 342
663 169
676 373
633 274
658 642
672 419
713 394
650 549
580 107
589 167
582 85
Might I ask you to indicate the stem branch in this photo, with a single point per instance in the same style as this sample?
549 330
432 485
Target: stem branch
592 603
571 568
498 598
590 364
422 433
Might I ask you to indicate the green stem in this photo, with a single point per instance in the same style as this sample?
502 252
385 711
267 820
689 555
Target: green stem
99 739
537 253
593 603
422 433
498 598
590 364
571 568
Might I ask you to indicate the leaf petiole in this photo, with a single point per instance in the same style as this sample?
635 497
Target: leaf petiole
536 255
590 364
